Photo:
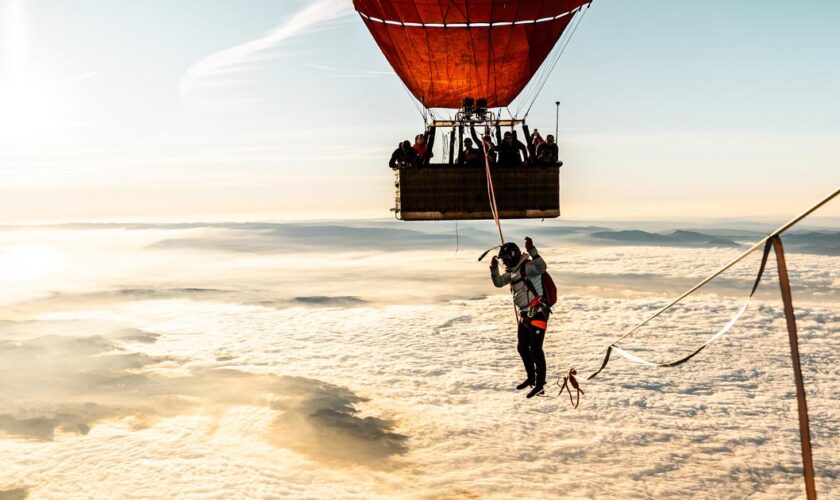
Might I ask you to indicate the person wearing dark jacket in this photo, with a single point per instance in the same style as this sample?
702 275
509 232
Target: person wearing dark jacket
522 148
547 153
470 155
403 155
511 151
397 157
524 275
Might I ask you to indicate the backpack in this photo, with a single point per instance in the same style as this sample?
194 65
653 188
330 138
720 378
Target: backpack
549 288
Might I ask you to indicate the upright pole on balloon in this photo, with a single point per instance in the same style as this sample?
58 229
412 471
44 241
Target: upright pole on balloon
557 123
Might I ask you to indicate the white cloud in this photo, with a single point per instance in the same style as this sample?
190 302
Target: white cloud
231 62
721 425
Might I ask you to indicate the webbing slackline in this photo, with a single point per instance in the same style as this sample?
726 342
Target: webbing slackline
774 241
631 357
728 326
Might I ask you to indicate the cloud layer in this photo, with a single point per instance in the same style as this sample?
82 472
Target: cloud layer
234 370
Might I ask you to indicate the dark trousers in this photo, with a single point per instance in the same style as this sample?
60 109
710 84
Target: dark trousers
530 341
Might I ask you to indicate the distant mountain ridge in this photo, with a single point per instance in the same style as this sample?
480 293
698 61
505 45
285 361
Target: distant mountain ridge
813 242
677 238
366 235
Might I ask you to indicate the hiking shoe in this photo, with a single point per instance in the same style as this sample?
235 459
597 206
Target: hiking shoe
523 385
536 391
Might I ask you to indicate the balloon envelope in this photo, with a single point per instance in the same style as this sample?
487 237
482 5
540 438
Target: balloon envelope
447 50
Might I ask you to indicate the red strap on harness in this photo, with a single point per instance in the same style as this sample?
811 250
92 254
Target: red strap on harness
542 325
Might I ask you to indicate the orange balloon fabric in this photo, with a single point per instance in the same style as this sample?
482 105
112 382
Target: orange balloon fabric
448 50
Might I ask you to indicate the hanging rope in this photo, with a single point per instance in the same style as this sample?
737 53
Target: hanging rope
491 193
457 238
494 209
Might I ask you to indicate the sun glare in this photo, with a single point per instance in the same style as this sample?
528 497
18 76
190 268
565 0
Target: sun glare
26 107
27 110
26 263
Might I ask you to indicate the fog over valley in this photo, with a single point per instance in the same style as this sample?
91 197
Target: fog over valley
376 359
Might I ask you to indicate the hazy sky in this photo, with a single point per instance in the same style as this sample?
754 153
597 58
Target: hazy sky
200 108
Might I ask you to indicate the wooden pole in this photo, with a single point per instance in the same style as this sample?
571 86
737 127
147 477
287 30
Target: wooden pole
802 405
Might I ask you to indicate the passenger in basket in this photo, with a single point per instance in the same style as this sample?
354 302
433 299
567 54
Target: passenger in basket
547 154
470 155
511 151
403 156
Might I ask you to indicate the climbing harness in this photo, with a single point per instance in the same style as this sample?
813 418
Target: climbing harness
539 301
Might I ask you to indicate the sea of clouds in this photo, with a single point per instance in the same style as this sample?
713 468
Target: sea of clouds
371 359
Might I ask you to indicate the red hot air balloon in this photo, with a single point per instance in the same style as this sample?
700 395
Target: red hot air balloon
473 56
448 50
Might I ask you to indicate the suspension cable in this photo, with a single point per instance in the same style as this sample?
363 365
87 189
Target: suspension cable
541 81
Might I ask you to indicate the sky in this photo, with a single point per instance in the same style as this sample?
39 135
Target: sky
203 109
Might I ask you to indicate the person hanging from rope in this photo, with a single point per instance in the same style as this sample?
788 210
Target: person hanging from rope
524 272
